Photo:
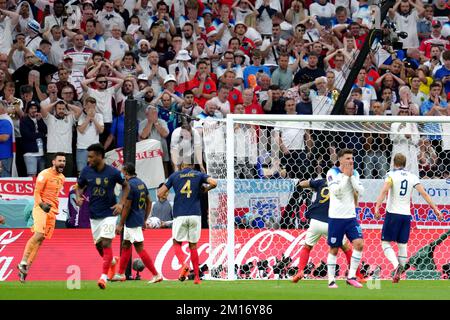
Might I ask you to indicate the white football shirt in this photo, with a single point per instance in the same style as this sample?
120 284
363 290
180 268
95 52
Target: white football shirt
342 188
402 186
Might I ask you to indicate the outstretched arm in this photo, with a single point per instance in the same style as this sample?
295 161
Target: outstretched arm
427 198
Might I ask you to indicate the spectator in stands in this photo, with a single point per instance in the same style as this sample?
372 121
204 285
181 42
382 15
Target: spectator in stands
90 126
34 139
79 52
376 147
282 76
202 85
250 106
59 125
162 210
103 95
275 103
6 141
406 14
310 72
294 143
405 139
443 73
186 145
428 160
156 129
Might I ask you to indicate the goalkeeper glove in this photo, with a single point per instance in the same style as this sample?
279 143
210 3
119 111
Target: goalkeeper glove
45 206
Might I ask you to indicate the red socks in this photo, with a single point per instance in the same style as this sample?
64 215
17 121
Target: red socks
179 253
148 262
107 259
194 260
124 258
304 257
348 256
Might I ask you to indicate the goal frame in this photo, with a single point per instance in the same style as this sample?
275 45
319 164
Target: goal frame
231 119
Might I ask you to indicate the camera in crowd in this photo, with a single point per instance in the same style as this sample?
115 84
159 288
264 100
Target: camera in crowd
391 36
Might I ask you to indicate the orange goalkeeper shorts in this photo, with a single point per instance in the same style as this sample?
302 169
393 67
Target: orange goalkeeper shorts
43 222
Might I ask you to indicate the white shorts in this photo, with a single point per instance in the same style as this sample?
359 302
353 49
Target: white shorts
187 228
133 234
316 230
103 228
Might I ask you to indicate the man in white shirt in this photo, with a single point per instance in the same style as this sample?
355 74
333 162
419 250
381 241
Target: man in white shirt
156 74
292 139
345 188
55 19
109 18
103 95
399 185
79 53
93 40
90 126
8 21
59 44
59 126
33 38
115 45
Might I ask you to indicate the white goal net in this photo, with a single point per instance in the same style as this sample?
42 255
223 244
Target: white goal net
257 214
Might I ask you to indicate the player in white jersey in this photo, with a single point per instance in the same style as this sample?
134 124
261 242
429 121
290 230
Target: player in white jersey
399 185
345 187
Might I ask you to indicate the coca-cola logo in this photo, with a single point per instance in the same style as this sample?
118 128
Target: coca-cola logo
249 247
5 262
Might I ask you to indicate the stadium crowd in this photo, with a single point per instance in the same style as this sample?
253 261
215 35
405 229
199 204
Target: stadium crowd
67 68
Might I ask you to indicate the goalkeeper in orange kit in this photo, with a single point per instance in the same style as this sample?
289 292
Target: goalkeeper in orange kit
48 186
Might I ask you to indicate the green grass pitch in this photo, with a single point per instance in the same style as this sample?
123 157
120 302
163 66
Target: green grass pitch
224 290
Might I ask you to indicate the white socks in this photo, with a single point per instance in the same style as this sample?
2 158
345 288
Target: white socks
390 254
354 263
331 268
402 253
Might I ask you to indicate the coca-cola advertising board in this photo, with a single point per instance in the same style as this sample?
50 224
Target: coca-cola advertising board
71 248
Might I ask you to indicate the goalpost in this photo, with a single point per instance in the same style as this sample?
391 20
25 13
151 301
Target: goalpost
257 215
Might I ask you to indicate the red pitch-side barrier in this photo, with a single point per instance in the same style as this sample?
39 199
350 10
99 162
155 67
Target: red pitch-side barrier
70 249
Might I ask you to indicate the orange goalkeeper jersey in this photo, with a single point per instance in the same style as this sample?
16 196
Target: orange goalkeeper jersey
48 185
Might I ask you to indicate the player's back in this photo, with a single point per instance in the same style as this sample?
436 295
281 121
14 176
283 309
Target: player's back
50 183
138 195
187 186
318 210
402 186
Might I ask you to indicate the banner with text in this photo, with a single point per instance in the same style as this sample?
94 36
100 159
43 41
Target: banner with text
70 250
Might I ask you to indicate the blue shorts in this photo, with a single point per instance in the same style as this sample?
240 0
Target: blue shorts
337 228
396 228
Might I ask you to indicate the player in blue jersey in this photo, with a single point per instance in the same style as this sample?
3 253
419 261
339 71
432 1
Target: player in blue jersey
136 212
188 185
100 179
317 213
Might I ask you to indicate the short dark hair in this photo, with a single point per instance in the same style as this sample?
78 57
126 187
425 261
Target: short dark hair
446 55
187 92
97 148
343 152
129 168
43 41
92 20
58 154
25 89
